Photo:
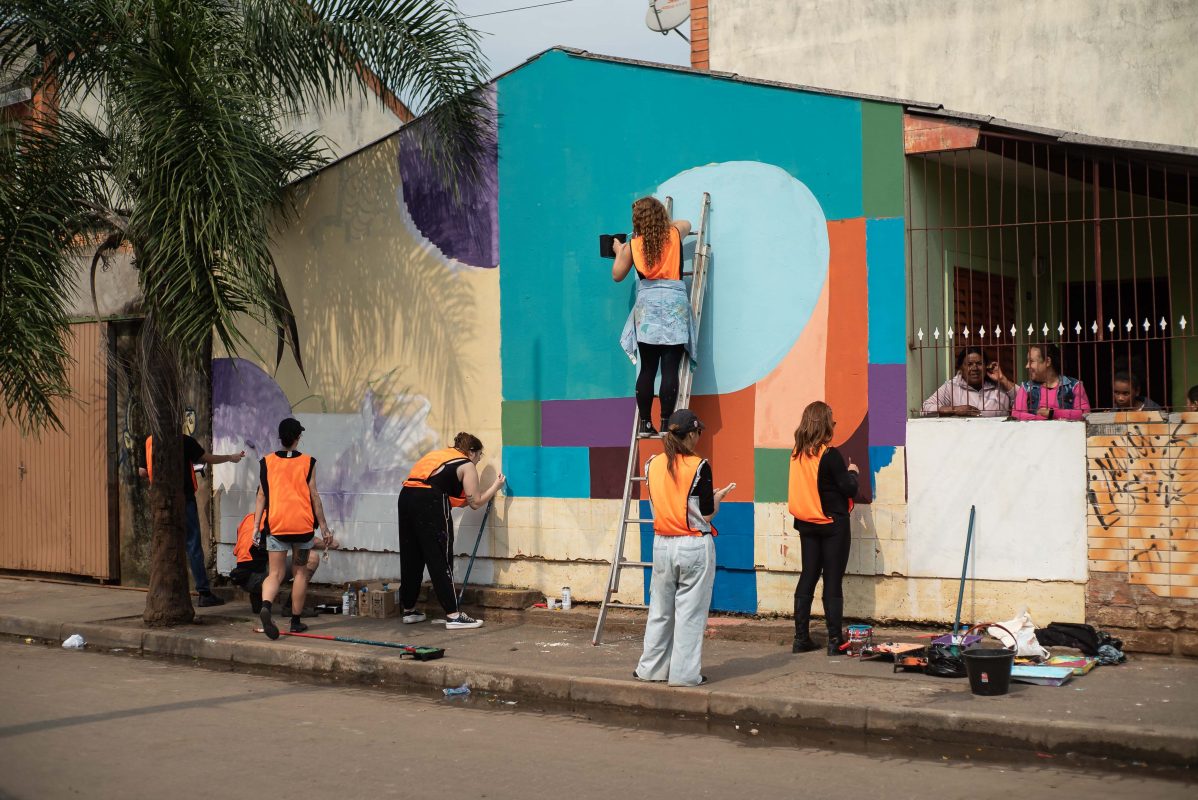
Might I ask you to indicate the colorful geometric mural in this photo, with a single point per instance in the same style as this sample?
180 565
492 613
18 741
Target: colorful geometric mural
806 294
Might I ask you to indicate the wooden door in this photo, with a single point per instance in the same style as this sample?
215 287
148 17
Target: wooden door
58 484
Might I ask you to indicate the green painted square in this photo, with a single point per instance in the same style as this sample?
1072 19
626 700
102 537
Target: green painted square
522 423
771 474
882 159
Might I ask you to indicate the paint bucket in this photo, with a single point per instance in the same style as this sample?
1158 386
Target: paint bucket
989 669
860 637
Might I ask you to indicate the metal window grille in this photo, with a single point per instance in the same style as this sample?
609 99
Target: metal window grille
1020 241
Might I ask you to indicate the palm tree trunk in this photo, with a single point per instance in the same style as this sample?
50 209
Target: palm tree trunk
168 601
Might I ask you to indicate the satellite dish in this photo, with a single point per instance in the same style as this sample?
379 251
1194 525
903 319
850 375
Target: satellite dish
666 15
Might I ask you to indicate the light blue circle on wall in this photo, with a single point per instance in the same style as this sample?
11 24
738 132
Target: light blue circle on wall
769 260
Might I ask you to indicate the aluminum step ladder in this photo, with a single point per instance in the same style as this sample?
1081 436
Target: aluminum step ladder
698 276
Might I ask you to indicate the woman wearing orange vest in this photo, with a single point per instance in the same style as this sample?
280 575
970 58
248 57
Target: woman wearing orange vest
661 327
285 514
680 491
820 498
440 479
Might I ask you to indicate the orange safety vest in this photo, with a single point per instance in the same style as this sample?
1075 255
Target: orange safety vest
429 464
668 266
150 465
671 496
245 539
288 499
803 496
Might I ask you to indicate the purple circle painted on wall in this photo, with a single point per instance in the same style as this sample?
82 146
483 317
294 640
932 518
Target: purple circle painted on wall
464 229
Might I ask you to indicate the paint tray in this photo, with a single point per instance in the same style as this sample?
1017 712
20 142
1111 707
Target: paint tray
422 653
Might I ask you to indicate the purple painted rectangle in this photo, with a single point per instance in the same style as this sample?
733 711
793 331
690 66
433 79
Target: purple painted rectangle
887 405
587 423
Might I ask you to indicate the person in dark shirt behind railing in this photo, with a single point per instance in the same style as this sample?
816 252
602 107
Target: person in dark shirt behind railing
971 393
1125 389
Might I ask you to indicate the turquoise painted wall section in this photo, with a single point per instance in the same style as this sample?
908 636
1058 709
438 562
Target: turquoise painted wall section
579 141
885 254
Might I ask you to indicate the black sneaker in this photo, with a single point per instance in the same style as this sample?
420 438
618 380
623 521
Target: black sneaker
207 600
462 621
298 627
268 624
411 616
646 430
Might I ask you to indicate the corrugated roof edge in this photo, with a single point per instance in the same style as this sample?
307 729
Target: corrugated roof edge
912 106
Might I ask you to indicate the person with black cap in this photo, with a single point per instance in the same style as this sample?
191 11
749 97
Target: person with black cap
286 510
680 491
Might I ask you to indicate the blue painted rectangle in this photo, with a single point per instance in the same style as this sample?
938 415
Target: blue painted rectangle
735 579
547 471
885 259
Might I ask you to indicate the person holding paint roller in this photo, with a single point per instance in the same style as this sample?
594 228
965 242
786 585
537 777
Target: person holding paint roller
820 498
661 327
440 479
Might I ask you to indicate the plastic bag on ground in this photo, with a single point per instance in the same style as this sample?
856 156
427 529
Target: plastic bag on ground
74 641
1024 631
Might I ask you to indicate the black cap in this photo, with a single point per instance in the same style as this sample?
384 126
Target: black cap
290 429
683 421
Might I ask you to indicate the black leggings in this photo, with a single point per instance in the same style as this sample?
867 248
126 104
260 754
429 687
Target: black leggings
669 356
826 555
425 539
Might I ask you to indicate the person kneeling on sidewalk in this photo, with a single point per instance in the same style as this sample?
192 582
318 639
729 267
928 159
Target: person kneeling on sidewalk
287 507
440 479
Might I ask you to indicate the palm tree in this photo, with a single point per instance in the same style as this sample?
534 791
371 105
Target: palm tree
166 136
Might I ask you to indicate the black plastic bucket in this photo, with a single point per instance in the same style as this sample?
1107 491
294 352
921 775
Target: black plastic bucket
989 670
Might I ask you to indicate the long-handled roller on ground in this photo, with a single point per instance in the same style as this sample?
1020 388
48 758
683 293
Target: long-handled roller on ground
418 652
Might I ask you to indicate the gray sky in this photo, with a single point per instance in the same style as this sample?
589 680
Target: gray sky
608 27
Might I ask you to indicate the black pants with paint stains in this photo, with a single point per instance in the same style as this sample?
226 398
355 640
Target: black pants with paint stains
425 540
669 357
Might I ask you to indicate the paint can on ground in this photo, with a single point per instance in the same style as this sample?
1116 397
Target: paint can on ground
860 637
567 600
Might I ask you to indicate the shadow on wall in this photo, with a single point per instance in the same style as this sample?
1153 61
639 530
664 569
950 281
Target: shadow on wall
367 293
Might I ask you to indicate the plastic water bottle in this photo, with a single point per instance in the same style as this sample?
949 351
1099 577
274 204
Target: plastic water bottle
460 691
567 600
345 602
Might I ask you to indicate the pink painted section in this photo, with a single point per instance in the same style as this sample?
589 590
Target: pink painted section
796 381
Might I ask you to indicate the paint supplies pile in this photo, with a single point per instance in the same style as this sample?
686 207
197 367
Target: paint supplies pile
376 599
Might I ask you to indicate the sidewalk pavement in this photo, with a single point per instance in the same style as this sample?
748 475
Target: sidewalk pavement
1144 710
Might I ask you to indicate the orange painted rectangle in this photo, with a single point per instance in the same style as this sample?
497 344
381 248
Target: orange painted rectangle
846 374
1108 566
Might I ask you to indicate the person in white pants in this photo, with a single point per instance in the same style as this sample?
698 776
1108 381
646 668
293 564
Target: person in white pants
681 493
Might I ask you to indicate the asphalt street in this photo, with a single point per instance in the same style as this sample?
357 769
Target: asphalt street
114 725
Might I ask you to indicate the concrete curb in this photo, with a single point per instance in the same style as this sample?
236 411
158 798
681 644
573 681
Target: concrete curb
1172 747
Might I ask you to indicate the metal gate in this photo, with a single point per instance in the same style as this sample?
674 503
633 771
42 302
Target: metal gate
55 489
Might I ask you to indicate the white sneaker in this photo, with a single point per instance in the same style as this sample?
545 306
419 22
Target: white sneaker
462 621
413 616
